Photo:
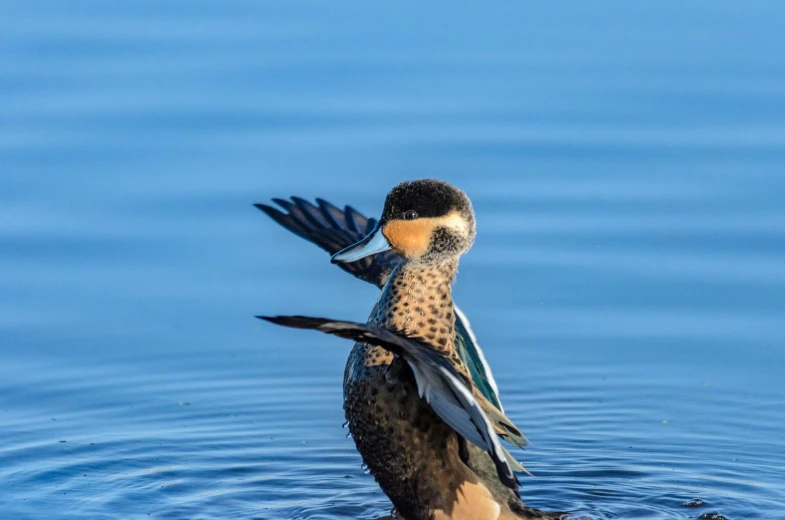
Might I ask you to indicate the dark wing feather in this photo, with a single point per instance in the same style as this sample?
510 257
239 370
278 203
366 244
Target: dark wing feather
333 229
438 383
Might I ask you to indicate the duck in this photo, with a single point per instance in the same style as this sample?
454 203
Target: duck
420 400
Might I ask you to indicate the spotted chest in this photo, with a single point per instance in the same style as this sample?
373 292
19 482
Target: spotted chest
417 300
405 445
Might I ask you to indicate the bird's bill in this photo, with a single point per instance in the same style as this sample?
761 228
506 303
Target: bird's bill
373 244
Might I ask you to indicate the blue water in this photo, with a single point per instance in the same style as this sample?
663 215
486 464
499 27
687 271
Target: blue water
626 161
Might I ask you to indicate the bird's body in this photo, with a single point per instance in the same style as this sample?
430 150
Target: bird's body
429 438
412 453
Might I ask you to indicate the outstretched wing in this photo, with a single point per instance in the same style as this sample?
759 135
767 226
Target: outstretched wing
438 382
334 229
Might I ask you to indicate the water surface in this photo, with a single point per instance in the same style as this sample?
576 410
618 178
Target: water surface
626 166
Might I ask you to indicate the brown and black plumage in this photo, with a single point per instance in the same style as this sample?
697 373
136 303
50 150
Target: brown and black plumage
419 399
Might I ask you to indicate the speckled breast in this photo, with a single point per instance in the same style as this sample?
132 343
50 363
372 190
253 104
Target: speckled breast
402 441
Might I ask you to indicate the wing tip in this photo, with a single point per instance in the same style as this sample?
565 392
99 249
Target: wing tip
266 208
286 321
325 203
298 322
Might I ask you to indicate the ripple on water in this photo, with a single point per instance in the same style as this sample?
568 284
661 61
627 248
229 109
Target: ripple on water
186 449
626 282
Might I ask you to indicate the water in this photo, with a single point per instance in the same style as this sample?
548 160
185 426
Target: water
626 165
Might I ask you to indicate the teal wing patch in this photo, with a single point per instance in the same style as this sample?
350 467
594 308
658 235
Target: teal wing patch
472 356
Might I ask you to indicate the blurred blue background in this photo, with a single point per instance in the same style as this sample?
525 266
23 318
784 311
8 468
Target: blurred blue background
626 163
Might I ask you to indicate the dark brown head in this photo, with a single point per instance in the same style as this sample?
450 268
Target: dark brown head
425 221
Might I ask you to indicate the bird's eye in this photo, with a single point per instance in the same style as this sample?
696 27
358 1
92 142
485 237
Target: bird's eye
410 215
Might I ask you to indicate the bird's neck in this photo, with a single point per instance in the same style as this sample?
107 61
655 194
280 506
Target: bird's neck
417 300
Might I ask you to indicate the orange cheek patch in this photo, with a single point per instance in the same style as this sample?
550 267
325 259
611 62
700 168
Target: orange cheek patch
411 238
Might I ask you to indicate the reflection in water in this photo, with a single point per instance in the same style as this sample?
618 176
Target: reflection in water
625 165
